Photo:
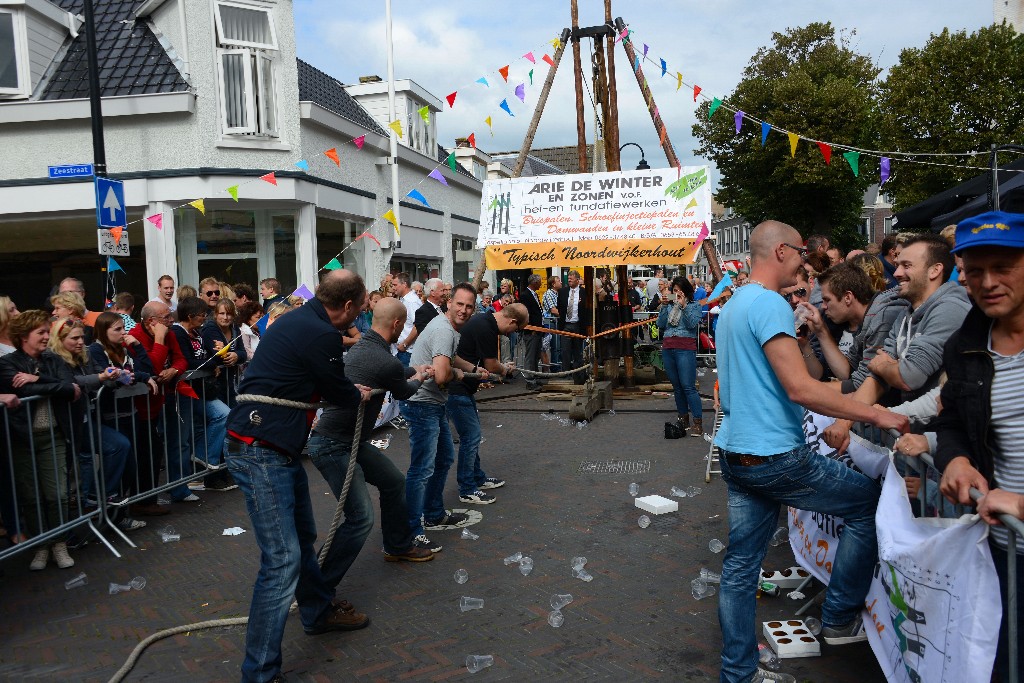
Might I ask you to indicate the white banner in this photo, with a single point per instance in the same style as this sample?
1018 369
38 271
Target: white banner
934 603
652 204
388 410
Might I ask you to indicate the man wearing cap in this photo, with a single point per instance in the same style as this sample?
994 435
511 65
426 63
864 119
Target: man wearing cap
981 426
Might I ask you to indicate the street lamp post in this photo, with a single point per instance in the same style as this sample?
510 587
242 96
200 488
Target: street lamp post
642 166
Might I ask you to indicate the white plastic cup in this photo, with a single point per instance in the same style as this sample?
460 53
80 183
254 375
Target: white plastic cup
466 603
693 491
513 558
700 589
461 576
138 583
768 658
556 619
677 492
715 546
560 600
116 588
780 536
168 534
813 625
582 575
634 489
77 582
477 663
526 566
710 576
578 562
469 535
644 521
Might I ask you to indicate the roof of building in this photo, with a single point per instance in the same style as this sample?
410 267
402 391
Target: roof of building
327 91
533 166
442 156
131 59
566 158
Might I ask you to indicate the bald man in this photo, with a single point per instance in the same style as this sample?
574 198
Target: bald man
767 463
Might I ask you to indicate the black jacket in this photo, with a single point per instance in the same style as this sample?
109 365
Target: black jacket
584 305
137 361
301 360
424 314
55 382
964 425
529 299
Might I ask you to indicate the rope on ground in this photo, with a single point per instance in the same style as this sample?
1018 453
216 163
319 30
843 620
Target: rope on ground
564 373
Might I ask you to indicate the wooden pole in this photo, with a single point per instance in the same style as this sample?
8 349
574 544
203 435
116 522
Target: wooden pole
531 132
611 123
581 124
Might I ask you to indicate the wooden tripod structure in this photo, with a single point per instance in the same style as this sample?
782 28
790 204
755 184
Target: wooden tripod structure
606 96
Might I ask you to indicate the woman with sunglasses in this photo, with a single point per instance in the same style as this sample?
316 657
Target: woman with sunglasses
678 321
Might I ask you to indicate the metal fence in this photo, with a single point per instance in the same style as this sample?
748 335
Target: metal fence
70 472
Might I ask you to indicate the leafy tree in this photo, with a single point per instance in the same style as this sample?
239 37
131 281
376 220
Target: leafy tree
810 82
958 93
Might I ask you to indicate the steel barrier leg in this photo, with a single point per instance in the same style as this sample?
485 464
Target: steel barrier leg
1011 604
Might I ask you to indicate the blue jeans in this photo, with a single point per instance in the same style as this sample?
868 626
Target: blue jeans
116 452
432 454
372 467
806 480
277 498
463 414
405 357
681 368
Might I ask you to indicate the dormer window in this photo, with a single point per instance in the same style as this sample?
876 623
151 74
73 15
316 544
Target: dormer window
14 80
247 64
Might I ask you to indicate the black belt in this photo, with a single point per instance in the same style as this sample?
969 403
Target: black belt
259 443
745 460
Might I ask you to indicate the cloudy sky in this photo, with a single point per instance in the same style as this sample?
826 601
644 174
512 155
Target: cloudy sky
446 45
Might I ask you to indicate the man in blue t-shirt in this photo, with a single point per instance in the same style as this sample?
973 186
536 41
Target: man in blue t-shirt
766 462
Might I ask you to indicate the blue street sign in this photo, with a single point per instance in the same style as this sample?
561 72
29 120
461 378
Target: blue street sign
71 171
110 209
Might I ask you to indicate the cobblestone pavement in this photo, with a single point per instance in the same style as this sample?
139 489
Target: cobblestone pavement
635 621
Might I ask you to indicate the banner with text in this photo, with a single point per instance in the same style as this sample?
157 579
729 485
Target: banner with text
652 216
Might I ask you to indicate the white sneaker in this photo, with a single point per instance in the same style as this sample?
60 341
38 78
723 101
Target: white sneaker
765 675
852 632
61 557
39 561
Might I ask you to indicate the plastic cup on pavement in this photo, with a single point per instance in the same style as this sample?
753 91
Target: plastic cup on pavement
556 619
813 625
582 575
526 566
466 603
780 536
677 492
692 491
77 582
469 535
634 489
578 562
710 576
700 589
116 588
138 583
715 546
513 558
560 600
477 663
461 576
644 521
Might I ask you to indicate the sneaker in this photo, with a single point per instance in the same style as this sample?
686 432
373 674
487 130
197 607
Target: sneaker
492 483
450 519
195 485
40 559
190 498
422 541
765 675
221 481
415 553
127 524
477 498
852 632
339 617
61 557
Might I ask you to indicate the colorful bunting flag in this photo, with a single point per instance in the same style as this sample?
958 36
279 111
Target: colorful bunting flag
418 196
696 91
853 158
438 176
738 118
661 136
636 64
424 113
359 141
548 59
303 164
504 72
693 203
884 170
156 219
765 129
304 292
390 218
451 99
269 178
471 139
332 154
556 43
645 50
704 232
504 105
529 55
679 81
531 76
396 126
233 191
452 162
368 235
521 92
826 151
483 80
623 35
715 104
185 389
664 68
333 264
489 127
793 140
200 205
116 234
112 265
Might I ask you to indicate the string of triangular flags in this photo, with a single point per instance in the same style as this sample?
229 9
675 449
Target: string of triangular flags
851 154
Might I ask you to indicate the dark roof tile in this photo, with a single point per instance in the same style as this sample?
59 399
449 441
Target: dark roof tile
327 91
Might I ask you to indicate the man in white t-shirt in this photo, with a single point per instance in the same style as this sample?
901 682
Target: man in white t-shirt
165 292
403 289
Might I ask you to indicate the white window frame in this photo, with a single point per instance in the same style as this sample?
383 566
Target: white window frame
266 70
250 100
241 43
20 55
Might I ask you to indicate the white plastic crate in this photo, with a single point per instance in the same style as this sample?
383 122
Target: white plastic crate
657 505
790 638
786 578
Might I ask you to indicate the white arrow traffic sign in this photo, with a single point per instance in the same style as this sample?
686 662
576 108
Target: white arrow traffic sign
110 203
111 211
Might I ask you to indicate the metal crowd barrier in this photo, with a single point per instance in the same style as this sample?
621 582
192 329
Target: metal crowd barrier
924 466
151 467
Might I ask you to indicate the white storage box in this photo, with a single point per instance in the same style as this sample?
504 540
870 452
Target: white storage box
786 578
790 638
657 505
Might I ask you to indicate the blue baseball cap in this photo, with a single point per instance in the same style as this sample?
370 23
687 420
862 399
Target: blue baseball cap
991 229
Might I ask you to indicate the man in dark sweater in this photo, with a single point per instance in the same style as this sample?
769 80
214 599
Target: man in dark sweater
371 364
301 357
530 299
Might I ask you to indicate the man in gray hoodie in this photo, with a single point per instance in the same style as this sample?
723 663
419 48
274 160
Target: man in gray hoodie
911 360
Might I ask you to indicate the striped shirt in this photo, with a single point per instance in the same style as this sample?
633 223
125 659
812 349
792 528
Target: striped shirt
1007 427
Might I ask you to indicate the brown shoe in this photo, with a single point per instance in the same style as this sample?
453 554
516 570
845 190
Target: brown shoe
413 554
149 510
339 617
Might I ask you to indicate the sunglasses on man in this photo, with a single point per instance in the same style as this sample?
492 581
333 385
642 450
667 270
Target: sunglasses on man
798 293
212 292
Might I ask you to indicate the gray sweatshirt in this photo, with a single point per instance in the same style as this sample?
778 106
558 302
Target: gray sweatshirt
884 309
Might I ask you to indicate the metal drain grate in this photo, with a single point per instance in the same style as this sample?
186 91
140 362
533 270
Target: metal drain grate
614 467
